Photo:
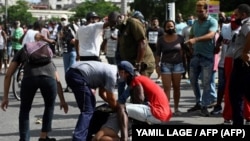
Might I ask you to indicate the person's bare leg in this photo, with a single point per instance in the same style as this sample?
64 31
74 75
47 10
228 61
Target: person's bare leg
106 134
176 90
166 83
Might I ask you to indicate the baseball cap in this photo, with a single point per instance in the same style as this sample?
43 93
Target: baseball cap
64 17
127 66
138 15
91 15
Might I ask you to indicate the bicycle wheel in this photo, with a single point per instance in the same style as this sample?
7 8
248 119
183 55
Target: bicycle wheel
16 83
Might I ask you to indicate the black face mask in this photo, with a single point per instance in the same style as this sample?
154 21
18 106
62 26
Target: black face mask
170 31
238 21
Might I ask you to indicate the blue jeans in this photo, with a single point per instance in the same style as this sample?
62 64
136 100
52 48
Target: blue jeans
167 68
29 87
85 100
213 96
200 65
69 58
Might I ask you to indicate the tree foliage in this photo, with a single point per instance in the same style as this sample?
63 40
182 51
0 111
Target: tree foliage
19 12
149 8
230 5
152 8
101 7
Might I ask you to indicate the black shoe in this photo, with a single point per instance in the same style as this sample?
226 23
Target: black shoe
217 110
47 139
204 112
66 89
196 107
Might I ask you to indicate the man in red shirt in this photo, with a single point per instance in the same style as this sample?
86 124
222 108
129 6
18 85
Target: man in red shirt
148 104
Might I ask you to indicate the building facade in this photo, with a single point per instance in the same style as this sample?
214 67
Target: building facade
59 4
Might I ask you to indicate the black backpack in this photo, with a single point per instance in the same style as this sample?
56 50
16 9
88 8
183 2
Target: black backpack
99 117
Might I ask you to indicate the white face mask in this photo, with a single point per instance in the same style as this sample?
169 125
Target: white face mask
64 23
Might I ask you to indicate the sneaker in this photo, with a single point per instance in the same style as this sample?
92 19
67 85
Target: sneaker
158 81
47 139
39 121
247 122
204 112
227 122
196 107
177 113
67 89
188 81
211 105
217 110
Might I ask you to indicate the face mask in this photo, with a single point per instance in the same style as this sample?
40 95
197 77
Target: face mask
234 25
170 31
238 21
190 22
64 23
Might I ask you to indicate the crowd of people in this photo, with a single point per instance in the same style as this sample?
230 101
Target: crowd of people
193 49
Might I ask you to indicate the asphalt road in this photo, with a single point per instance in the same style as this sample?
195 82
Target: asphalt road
63 124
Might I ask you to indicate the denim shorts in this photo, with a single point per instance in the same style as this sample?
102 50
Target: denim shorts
112 123
167 68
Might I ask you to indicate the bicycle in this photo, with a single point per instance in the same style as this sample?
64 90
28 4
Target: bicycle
16 82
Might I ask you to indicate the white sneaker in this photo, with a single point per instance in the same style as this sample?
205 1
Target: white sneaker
158 81
247 122
227 122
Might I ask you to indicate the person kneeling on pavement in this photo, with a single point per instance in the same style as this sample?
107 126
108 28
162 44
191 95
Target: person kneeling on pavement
148 103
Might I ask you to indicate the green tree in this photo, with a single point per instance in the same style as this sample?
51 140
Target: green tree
101 7
151 8
19 12
230 5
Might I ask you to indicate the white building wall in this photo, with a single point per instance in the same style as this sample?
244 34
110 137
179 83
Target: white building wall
54 3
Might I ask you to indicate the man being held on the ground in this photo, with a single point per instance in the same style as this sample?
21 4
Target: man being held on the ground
83 78
149 104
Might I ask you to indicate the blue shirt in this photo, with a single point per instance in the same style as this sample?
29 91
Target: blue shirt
204 48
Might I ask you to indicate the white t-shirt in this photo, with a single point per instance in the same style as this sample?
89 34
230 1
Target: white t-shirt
111 43
186 32
29 36
1 40
227 48
45 33
90 38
